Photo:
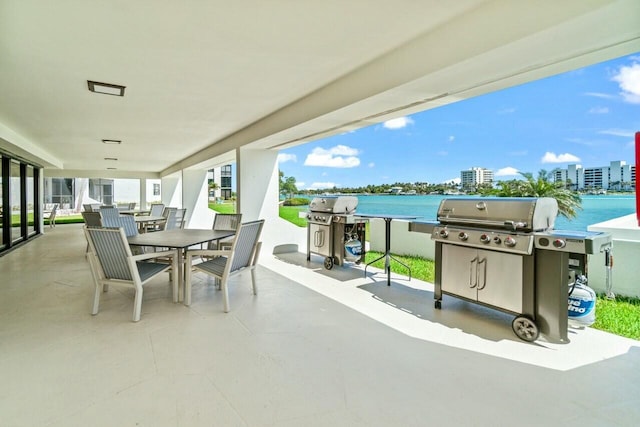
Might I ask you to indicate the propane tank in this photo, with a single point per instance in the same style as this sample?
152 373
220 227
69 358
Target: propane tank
582 303
352 249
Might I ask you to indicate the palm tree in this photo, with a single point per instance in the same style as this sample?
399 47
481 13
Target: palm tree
568 202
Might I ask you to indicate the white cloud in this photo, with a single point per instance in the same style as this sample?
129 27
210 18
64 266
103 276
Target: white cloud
442 153
398 123
322 185
550 157
599 110
617 132
339 156
599 95
508 171
507 111
371 165
628 78
451 138
300 184
285 157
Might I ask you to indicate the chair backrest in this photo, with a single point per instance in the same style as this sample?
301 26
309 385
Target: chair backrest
227 222
110 247
244 246
92 219
126 222
132 206
52 215
156 209
109 213
87 207
175 218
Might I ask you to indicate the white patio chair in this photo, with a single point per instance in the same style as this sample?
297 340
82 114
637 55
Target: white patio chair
112 263
109 213
51 216
225 222
242 256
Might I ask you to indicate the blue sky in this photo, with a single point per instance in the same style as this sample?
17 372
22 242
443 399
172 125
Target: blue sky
587 116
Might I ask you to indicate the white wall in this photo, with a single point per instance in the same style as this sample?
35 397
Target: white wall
195 199
626 257
403 241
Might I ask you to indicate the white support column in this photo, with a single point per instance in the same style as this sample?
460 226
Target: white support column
143 193
257 184
195 199
172 190
258 192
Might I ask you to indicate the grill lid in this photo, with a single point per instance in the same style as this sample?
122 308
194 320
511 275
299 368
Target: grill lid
510 213
334 204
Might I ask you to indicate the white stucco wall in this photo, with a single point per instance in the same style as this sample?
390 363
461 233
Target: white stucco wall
625 273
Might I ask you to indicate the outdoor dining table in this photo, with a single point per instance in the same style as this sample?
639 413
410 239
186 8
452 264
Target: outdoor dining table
135 212
143 220
180 239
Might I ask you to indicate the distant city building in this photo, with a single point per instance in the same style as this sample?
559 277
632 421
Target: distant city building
617 176
470 179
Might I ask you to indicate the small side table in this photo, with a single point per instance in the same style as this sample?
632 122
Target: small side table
387 244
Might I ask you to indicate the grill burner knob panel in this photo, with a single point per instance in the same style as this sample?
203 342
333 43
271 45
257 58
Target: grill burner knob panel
497 240
485 238
463 236
510 241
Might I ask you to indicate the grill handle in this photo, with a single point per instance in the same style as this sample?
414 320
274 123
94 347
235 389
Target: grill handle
484 273
473 273
318 238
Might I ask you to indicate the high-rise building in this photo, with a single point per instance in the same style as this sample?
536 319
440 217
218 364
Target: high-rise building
617 176
470 179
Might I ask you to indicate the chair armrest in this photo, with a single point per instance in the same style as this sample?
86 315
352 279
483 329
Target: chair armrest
159 254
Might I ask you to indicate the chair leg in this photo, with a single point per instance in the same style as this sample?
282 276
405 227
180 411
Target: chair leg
225 295
137 304
96 299
253 281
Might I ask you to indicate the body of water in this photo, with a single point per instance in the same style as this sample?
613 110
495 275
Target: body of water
595 209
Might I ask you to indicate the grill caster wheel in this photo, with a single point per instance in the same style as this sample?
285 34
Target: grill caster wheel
328 263
438 304
525 328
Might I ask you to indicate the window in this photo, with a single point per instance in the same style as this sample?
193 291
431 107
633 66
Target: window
156 189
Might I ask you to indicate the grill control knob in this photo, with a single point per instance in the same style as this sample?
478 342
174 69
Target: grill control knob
444 233
510 241
559 243
497 240
463 236
484 238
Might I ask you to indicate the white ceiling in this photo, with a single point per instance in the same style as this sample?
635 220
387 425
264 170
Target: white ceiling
205 77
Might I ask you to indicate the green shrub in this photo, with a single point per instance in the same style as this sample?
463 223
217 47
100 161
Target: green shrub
296 201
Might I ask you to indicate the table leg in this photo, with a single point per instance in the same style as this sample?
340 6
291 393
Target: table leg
180 274
387 253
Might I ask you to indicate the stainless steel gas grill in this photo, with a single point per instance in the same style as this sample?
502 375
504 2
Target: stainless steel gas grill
503 253
334 231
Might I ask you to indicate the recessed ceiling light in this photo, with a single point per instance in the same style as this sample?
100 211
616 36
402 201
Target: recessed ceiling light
110 158
106 88
111 141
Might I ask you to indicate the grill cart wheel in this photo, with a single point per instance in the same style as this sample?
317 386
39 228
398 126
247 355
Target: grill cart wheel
438 304
328 263
525 328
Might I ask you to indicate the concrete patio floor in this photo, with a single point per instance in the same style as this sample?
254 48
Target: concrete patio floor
314 348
